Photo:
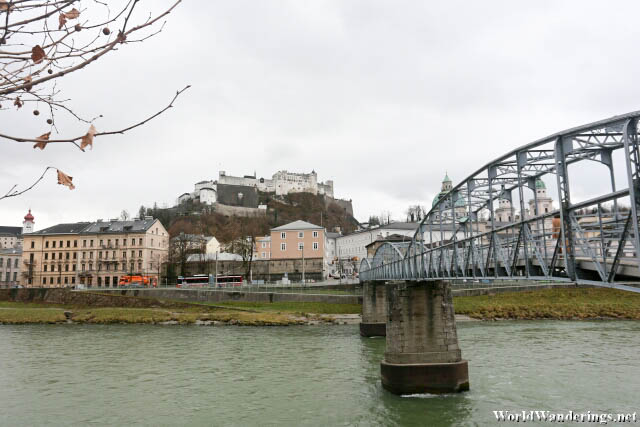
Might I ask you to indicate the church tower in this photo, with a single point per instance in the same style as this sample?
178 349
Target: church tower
28 223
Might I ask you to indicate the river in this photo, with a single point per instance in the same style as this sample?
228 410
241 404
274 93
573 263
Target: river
308 375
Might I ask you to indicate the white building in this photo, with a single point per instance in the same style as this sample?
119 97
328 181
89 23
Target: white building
353 246
281 183
205 192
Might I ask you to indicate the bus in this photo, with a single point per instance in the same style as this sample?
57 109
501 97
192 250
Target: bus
204 280
138 280
197 281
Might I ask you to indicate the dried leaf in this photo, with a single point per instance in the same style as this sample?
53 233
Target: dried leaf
42 141
37 54
61 21
18 102
72 14
88 138
64 179
27 80
5 6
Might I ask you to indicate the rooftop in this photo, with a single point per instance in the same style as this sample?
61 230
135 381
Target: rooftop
297 225
14 231
99 227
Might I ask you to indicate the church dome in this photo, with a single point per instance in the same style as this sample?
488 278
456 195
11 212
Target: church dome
540 184
28 216
446 178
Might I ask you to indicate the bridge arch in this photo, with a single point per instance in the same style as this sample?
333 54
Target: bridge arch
591 242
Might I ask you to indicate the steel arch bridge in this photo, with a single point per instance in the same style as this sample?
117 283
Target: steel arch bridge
596 241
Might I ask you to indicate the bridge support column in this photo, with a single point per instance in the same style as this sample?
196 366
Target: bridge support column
374 309
422 344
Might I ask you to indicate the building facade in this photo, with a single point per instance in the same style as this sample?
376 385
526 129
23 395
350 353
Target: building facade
95 254
10 266
262 248
299 240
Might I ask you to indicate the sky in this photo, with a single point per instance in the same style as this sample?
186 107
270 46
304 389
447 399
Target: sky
382 97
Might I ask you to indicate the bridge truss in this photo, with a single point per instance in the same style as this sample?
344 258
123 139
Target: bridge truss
594 241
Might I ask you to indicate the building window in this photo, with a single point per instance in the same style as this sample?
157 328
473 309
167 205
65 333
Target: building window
315 234
46 244
61 243
73 280
139 265
68 243
51 280
300 246
283 246
140 242
315 246
66 267
33 245
106 281
15 264
54 244
53 255
283 235
82 267
133 242
100 254
133 254
58 281
75 243
67 255
91 243
84 255
66 280
75 255
84 243
139 253
91 255
45 266
74 267
124 254
44 280
264 254
300 234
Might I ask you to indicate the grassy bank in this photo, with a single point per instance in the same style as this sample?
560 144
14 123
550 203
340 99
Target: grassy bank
556 303
21 313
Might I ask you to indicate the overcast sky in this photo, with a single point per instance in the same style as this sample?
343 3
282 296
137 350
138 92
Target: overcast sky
381 97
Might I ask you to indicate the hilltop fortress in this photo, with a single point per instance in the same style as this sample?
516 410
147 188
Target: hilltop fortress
243 190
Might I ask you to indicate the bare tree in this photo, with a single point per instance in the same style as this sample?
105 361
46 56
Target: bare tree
42 41
415 213
124 215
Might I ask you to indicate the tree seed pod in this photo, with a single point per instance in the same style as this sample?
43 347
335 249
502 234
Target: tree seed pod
50 71
106 31
36 112
49 121
78 27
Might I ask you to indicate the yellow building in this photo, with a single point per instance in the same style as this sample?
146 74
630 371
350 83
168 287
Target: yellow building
96 254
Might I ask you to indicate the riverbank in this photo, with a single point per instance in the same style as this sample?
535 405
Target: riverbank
560 304
557 303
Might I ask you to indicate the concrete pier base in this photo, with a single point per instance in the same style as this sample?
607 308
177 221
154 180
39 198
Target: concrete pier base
374 310
373 329
422 354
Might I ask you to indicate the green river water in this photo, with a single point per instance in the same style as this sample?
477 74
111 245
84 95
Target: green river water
96 375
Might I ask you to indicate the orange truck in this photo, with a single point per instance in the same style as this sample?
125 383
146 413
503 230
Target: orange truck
138 280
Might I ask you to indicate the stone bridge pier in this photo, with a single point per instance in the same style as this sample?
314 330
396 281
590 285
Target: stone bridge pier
374 309
422 353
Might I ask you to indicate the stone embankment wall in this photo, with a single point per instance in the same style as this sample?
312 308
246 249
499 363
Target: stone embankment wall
77 298
201 295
